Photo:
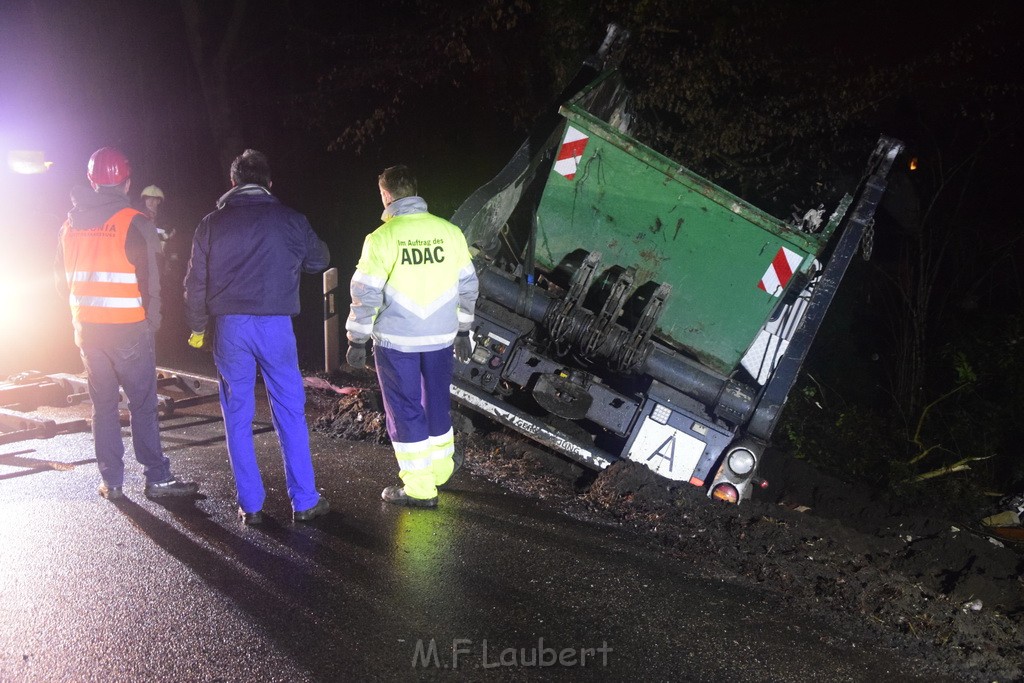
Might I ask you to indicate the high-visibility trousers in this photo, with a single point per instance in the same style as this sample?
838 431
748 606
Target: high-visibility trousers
417 407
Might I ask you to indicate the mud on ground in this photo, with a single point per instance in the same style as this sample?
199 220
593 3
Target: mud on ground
913 580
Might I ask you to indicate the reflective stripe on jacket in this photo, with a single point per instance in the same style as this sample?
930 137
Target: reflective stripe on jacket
102 281
414 286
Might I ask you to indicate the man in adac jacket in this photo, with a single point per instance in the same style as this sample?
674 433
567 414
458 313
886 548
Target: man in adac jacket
414 293
247 257
106 267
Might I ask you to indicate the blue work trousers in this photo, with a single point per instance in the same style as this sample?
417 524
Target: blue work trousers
123 356
416 390
241 343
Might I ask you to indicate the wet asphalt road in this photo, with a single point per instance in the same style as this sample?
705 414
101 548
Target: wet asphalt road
490 586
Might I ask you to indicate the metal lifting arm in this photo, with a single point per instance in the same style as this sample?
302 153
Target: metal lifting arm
773 398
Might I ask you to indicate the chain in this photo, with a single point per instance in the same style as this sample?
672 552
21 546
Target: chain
867 242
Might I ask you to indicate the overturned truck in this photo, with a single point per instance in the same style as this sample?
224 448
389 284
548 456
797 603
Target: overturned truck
630 309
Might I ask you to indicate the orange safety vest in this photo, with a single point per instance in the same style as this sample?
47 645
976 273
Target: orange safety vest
103 284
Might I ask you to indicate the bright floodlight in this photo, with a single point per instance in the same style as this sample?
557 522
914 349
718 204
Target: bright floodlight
13 306
27 162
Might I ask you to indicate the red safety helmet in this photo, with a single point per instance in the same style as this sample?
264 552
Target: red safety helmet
108 166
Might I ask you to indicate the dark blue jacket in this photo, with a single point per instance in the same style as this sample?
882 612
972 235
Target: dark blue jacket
247 257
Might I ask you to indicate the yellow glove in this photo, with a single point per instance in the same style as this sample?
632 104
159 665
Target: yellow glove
195 340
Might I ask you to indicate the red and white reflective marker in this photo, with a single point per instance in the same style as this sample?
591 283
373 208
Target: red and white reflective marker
780 271
570 153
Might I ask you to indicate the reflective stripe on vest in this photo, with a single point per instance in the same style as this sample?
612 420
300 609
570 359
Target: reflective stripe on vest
103 284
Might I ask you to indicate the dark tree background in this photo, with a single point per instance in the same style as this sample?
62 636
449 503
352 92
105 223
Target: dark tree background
918 368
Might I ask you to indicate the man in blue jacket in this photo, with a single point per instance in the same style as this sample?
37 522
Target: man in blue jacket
244 273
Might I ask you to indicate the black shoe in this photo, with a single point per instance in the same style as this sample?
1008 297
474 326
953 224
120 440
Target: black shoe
321 508
171 487
250 518
397 496
110 492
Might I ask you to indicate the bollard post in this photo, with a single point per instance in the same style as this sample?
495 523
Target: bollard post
332 330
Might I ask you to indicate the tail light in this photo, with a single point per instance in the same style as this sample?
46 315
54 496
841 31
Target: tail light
726 492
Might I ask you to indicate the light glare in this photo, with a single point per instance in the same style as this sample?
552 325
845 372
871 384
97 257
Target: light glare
11 308
27 162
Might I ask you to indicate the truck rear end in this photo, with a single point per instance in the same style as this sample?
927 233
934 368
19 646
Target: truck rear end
631 309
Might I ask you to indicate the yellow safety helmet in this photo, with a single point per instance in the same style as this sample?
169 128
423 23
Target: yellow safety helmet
153 191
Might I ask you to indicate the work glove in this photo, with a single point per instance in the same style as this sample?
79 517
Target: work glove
356 355
463 347
196 339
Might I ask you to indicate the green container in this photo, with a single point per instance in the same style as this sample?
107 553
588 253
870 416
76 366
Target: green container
729 263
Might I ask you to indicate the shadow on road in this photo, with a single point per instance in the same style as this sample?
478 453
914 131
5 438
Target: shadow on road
287 596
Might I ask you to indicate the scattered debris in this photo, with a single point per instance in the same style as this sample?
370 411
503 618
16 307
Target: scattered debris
1002 519
325 385
972 606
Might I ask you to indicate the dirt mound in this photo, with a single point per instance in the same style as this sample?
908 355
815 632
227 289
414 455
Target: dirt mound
521 466
357 417
953 558
824 543
922 576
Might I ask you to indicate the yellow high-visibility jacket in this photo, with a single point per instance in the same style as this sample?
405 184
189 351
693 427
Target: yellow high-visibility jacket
415 285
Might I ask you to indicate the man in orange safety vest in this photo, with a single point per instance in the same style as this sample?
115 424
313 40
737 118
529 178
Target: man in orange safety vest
106 267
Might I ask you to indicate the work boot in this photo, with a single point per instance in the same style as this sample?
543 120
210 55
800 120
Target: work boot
250 518
171 487
110 492
397 496
321 508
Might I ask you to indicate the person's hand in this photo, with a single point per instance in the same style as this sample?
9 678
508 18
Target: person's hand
463 347
196 339
356 355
